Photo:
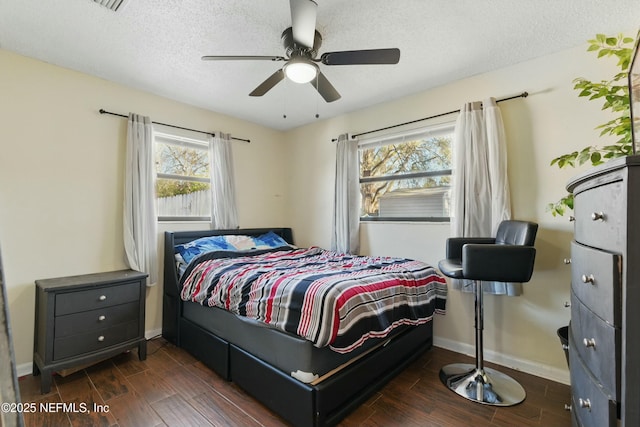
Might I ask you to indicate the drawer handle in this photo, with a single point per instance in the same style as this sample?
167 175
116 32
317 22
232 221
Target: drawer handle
589 342
567 261
567 407
101 338
102 297
572 218
588 279
567 304
565 347
585 403
102 317
597 216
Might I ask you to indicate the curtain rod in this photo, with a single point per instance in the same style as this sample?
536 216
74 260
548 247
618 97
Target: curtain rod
173 126
522 95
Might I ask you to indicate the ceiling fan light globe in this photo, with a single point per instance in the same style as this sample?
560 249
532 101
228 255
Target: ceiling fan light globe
301 72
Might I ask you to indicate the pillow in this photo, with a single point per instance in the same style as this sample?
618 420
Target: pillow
270 240
190 250
240 242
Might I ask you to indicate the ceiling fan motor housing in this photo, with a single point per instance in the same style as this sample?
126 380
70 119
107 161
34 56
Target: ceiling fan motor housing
293 49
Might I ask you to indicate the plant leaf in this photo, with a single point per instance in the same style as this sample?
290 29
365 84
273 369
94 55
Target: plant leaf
615 95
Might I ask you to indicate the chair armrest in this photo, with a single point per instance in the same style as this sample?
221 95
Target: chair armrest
499 263
455 244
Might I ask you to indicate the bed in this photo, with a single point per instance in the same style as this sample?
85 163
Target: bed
308 373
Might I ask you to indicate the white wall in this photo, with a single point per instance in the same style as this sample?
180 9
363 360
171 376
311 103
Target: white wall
61 179
521 331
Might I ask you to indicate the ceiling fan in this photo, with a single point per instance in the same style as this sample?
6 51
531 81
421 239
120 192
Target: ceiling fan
301 42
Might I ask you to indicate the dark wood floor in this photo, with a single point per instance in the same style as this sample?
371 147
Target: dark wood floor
171 388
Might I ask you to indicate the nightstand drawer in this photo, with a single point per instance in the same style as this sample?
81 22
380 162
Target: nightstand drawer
596 280
598 345
91 299
95 340
591 406
600 217
77 323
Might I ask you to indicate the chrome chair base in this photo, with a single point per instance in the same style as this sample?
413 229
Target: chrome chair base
486 386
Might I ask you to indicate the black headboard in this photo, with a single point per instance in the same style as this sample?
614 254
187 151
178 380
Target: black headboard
180 237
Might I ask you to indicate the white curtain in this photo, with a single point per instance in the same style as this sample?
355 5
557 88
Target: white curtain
140 218
346 206
224 212
480 188
497 145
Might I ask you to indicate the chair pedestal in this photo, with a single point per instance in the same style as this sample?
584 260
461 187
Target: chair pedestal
486 386
477 383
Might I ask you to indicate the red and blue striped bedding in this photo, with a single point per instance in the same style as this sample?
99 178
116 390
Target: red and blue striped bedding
331 299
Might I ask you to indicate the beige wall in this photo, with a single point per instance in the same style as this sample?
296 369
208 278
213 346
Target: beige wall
519 332
61 182
61 178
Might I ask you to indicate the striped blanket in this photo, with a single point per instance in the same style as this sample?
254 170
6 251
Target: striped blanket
328 298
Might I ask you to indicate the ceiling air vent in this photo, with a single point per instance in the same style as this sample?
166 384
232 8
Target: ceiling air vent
114 5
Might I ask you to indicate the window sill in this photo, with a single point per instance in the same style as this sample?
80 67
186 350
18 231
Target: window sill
183 219
432 220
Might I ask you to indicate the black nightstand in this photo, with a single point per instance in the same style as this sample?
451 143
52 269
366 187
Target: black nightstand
83 319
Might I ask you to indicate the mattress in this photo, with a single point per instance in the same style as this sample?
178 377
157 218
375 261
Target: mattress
291 354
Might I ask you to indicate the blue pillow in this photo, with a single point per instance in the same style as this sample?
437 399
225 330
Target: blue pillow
205 244
271 240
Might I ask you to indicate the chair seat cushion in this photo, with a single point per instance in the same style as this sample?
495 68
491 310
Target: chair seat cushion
451 268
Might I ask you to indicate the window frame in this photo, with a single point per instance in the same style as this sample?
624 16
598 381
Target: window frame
186 139
433 130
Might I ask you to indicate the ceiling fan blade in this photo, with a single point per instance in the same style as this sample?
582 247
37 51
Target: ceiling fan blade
324 88
303 21
266 85
242 58
361 57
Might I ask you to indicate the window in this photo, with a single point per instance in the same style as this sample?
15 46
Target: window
407 176
183 178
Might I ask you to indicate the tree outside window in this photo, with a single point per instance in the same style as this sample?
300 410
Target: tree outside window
407 177
183 178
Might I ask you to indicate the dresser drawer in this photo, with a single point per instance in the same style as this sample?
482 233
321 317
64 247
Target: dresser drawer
596 280
77 323
592 408
91 299
598 345
87 342
600 217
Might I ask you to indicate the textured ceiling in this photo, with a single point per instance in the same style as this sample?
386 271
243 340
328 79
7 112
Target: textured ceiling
156 45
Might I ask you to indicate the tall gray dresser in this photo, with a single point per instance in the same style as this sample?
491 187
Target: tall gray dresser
604 337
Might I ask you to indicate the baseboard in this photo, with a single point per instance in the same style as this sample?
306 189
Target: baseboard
527 366
26 368
153 333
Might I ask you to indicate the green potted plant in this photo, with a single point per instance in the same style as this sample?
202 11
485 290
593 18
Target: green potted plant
615 96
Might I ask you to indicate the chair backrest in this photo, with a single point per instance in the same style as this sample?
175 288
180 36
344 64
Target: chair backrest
512 232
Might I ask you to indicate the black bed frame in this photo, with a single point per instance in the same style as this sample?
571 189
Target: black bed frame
323 404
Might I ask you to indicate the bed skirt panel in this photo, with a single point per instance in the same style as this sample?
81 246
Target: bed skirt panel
291 399
206 347
328 402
